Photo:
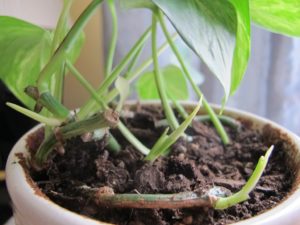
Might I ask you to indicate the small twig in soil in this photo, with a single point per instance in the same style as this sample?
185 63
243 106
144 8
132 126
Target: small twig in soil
106 197
216 197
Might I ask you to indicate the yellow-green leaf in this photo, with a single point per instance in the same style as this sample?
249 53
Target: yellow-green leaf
279 16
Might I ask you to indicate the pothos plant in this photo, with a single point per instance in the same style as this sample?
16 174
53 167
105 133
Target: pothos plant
36 60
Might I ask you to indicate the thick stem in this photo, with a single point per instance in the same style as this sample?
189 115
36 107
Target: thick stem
154 201
104 120
159 80
114 37
220 129
60 54
48 101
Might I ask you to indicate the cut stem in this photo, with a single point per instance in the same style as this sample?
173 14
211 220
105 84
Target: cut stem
113 144
98 121
154 201
159 80
220 129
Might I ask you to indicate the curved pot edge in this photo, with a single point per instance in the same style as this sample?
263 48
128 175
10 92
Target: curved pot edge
288 209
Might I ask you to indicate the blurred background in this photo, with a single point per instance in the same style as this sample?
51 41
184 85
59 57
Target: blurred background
271 86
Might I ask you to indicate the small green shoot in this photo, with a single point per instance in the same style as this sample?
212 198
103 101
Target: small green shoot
33 115
243 194
166 141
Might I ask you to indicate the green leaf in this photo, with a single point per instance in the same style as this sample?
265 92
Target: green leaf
280 16
128 4
173 79
24 49
218 31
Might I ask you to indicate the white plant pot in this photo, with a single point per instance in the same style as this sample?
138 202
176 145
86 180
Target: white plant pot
31 208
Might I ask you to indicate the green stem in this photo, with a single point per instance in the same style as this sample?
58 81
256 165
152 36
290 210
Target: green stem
104 120
132 139
60 54
159 80
114 37
91 106
220 129
134 61
226 120
56 84
85 84
54 106
62 25
161 147
133 75
243 194
113 144
178 107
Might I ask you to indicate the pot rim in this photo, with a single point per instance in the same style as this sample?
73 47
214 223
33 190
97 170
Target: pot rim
288 206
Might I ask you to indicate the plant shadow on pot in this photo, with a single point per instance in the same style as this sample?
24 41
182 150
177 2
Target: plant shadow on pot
197 166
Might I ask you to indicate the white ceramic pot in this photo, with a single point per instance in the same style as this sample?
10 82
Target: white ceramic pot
31 208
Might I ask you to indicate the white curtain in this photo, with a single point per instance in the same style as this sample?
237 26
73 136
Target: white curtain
271 86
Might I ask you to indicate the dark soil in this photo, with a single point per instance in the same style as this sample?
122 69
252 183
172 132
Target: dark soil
197 165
